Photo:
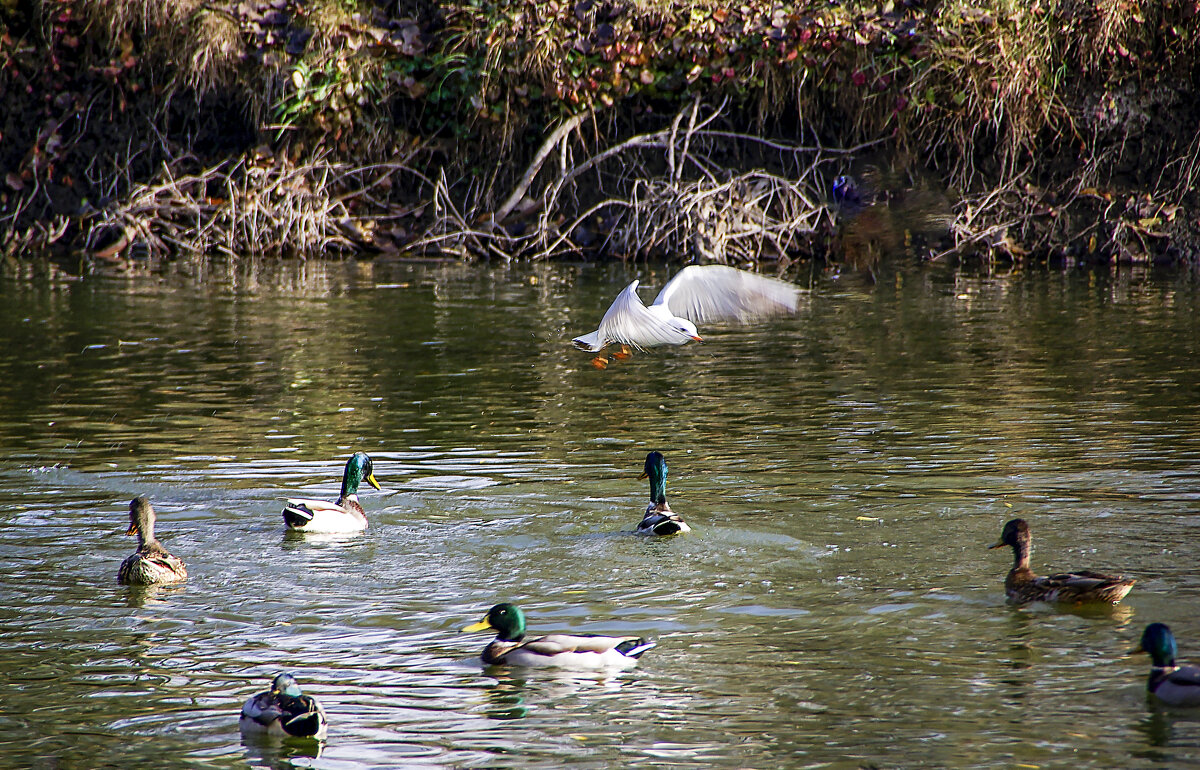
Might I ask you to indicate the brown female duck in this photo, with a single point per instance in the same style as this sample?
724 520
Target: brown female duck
151 563
1022 586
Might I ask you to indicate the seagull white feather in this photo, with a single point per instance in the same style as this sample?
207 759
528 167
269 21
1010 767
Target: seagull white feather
697 294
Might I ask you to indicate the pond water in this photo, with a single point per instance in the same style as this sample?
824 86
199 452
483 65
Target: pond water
843 470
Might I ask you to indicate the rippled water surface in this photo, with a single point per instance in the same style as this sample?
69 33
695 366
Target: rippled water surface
844 471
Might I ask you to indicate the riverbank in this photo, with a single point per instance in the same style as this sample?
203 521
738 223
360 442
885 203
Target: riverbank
517 130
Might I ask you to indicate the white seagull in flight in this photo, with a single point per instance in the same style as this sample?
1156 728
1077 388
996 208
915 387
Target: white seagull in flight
696 294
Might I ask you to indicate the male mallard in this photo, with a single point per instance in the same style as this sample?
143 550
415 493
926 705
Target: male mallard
574 651
1171 684
1023 586
151 563
284 710
659 518
346 515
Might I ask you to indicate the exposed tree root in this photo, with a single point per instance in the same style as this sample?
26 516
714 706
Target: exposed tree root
663 192
265 205
670 192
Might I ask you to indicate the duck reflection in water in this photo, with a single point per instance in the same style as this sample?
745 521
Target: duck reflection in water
506 699
507 695
264 750
880 216
140 596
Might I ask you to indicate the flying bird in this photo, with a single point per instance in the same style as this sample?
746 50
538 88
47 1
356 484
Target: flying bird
697 294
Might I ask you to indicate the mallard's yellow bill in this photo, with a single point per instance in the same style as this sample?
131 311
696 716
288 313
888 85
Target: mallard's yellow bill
371 480
644 475
482 625
997 544
133 529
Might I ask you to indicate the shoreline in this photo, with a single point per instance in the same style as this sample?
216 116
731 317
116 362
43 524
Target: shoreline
601 132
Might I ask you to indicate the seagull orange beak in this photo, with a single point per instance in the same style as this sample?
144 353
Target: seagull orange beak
697 338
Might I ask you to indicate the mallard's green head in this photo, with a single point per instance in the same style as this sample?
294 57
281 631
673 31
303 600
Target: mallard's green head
1015 534
285 684
358 467
656 471
506 620
1158 640
141 518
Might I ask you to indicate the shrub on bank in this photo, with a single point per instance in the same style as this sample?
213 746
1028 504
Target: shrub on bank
332 124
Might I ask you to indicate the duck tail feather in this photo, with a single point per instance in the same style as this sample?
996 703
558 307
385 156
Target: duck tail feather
296 515
633 648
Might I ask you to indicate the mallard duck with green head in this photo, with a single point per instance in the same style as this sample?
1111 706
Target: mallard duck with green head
659 519
284 711
1173 685
151 564
1022 586
346 515
581 652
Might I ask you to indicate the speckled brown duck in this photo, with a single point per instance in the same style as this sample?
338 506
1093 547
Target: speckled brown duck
1022 586
152 563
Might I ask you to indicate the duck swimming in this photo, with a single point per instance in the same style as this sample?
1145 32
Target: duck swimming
1173 685
346 515
1022 586
581 652
284 710
152 563
659 519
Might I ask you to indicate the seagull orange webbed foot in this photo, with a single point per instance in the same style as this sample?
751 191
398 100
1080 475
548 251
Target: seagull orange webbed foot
600 362
623 353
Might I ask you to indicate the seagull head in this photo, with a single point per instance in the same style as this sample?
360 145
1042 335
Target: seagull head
688 328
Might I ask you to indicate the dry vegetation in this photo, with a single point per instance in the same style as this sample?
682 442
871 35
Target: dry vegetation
535 129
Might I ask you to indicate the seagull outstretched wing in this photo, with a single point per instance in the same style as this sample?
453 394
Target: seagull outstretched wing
702 293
